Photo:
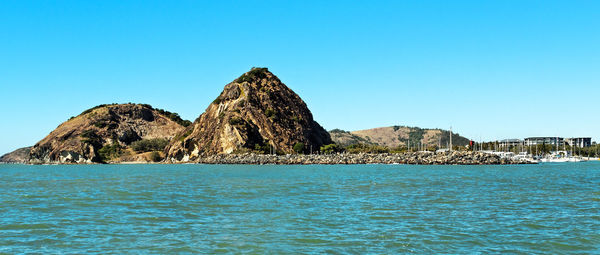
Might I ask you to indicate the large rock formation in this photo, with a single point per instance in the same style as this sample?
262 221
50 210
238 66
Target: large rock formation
398 136
18 156
104 134
255 112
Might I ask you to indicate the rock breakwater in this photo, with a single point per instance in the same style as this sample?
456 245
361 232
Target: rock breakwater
414 158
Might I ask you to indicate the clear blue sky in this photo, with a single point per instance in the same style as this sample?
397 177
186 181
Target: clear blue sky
490 69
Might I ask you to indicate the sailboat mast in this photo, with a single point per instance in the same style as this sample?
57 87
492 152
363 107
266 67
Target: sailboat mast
450 138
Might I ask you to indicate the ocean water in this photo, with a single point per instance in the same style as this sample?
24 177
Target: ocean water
355 209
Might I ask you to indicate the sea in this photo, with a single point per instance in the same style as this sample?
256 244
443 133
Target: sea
300 209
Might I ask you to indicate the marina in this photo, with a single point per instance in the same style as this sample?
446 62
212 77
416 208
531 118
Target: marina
544 149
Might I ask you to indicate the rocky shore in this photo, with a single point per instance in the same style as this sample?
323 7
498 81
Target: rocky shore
413 158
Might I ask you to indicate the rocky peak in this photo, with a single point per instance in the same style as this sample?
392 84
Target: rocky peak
256 112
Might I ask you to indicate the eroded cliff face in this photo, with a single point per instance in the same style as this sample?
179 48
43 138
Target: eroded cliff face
107 128
255 112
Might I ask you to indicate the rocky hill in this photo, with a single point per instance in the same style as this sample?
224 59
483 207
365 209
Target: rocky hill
18 156
398 136
107 133
256 112
345 138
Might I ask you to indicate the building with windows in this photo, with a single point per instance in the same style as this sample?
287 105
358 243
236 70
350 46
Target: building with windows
580 142
510 142
532 141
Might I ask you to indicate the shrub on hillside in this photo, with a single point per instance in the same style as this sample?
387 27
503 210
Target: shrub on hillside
90 137
299 147
109 152
96 107
330 148
155 156
254 74
145 145
337 130
172 116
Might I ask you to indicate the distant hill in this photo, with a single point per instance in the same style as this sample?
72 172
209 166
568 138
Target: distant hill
18 156
396 136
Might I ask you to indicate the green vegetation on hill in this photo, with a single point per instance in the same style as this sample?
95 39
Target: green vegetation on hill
299 147
254 74
108 152
331 148
174 117
155 156
457 140
415 136
171 115
347 137
145 145
96 107
90 137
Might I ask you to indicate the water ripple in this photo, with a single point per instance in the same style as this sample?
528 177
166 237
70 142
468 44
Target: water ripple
543 209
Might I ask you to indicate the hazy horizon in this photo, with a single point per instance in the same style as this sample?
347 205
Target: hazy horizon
491 70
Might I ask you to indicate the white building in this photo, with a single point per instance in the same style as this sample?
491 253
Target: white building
532 141
580 142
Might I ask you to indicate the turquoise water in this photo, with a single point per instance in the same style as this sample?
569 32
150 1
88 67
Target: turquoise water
300 209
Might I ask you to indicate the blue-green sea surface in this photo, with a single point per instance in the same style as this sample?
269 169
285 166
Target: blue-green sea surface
356 209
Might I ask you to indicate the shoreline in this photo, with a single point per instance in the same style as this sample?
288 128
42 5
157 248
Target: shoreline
407 158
